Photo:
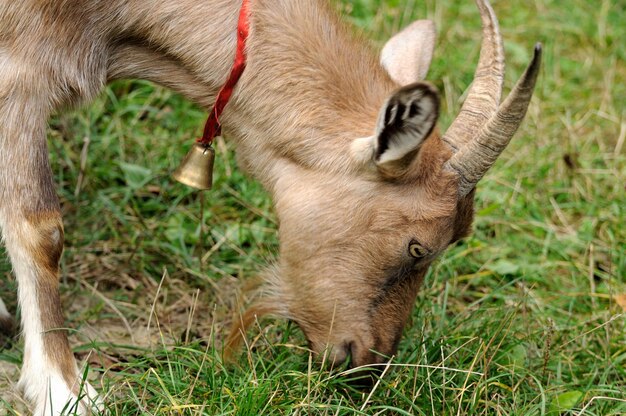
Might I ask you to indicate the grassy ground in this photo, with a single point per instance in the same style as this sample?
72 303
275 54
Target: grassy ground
522 318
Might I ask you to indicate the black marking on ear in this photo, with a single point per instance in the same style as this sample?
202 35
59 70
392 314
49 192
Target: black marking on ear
400 112
388 114
383 142
409 117
414 110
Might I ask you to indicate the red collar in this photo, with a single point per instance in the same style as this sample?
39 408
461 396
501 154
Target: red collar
213 127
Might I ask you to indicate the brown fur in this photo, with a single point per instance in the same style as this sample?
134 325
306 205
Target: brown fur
46 252
310 89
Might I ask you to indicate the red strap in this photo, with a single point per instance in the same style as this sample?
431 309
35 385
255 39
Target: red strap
213 128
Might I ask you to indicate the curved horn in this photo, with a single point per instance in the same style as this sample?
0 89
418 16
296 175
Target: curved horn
484 95
475 159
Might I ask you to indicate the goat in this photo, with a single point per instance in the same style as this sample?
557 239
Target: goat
367 191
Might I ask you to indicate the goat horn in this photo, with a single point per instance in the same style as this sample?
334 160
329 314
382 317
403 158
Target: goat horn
484 95
475 159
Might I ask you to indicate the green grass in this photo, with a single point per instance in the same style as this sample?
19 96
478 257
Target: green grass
519 319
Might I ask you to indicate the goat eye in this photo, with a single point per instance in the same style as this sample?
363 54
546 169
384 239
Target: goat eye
417 250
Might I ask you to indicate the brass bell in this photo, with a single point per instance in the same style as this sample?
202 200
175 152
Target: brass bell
196 169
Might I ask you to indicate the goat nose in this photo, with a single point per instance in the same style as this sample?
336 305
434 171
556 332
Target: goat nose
340 354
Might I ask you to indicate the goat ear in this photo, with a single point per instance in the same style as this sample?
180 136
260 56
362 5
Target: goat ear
405 121
407 55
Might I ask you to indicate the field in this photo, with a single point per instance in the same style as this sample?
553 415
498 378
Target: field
525 317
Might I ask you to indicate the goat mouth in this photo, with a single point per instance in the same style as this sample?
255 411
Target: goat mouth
362 377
